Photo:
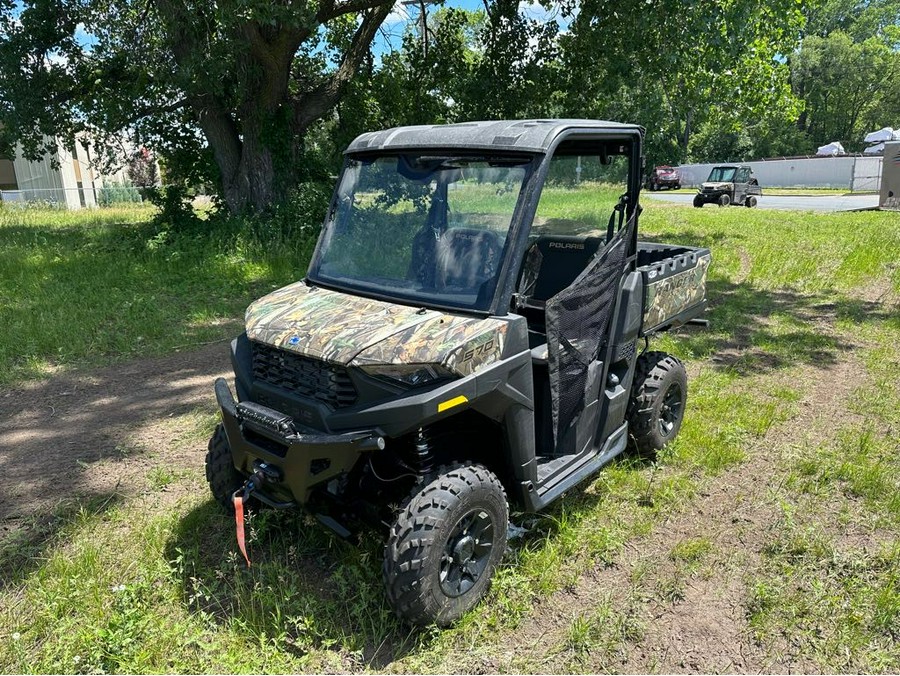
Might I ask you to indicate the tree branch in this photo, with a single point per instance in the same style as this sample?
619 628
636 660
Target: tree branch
329 9
215 118
317 102
154 110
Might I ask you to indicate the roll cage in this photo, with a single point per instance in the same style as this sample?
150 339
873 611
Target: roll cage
565 139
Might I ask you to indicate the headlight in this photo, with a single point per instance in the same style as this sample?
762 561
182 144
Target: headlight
410 375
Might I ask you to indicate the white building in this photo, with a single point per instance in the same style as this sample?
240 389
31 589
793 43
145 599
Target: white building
74 182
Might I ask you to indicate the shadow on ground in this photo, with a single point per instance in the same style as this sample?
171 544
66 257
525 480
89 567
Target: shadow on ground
25 542
306 588
755 331
85 438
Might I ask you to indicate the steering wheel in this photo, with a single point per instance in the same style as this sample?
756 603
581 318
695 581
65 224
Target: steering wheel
468 255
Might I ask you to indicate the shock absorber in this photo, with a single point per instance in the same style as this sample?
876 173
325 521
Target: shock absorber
423 453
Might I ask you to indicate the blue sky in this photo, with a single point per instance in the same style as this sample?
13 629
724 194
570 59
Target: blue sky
391 32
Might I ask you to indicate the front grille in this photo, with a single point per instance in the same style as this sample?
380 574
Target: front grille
305 376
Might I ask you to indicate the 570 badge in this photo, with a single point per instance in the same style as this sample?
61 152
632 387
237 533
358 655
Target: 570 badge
480 351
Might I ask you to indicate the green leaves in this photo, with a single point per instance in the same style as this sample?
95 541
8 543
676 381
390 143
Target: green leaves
849 87
225 91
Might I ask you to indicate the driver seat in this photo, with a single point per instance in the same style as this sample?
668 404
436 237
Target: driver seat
563 258
557 261
467 257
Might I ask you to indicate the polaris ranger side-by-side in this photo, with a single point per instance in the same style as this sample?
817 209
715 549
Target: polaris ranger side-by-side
729 185
466 340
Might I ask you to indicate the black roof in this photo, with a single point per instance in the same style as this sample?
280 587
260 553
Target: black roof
516 135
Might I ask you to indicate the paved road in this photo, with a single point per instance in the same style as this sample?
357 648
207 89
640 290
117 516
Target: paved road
790 202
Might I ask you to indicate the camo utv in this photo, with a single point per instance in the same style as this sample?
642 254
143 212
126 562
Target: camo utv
466 341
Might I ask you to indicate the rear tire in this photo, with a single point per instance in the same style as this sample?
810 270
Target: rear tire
750 202
445 545
658 398
221 474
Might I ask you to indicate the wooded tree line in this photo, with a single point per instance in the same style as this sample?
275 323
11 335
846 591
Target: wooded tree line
258 97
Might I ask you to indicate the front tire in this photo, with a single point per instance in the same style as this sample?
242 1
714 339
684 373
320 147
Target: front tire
445 545
698 203
658 398
221 474
724 200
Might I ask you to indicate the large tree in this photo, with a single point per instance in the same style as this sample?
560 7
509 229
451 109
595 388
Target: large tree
696 56
849 87
669 65
238 81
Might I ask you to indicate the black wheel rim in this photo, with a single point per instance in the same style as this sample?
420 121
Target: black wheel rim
670 411
467 552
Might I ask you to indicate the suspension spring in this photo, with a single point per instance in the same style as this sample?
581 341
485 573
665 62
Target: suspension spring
423 454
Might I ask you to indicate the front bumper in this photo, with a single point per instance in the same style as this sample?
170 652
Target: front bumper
304 459
711 197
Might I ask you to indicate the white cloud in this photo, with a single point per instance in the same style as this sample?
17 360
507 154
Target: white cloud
57 59
399 14
535 10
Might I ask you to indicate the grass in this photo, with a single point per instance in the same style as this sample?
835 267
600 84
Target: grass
94 286
114 584
831 582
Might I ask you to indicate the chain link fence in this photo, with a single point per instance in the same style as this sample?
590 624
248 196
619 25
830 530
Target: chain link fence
72 198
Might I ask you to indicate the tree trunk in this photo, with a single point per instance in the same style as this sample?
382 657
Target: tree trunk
243 153
688 118
246 166
253 185
249 141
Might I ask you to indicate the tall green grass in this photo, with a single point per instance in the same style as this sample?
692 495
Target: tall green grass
94 286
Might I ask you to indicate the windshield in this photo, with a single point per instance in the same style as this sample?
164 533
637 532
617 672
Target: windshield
721 175
430 229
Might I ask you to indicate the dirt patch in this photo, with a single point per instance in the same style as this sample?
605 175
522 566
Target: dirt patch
746 266
692 612
93 432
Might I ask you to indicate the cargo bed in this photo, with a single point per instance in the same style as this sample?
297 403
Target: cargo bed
674 284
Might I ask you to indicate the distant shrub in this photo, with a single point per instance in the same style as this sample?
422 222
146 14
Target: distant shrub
298 217
117 193
176 212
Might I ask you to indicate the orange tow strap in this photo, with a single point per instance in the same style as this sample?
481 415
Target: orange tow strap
239 523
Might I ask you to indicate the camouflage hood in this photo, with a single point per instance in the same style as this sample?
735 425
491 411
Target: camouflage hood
344 329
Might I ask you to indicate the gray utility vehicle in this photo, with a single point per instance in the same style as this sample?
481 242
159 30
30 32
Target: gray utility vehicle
465 340
729 185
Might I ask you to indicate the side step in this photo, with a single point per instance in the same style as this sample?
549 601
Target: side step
614 445
548 466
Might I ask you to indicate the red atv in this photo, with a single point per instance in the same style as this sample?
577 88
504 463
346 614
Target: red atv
664 177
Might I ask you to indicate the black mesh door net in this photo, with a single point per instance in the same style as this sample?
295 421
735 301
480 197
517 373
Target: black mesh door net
577 321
